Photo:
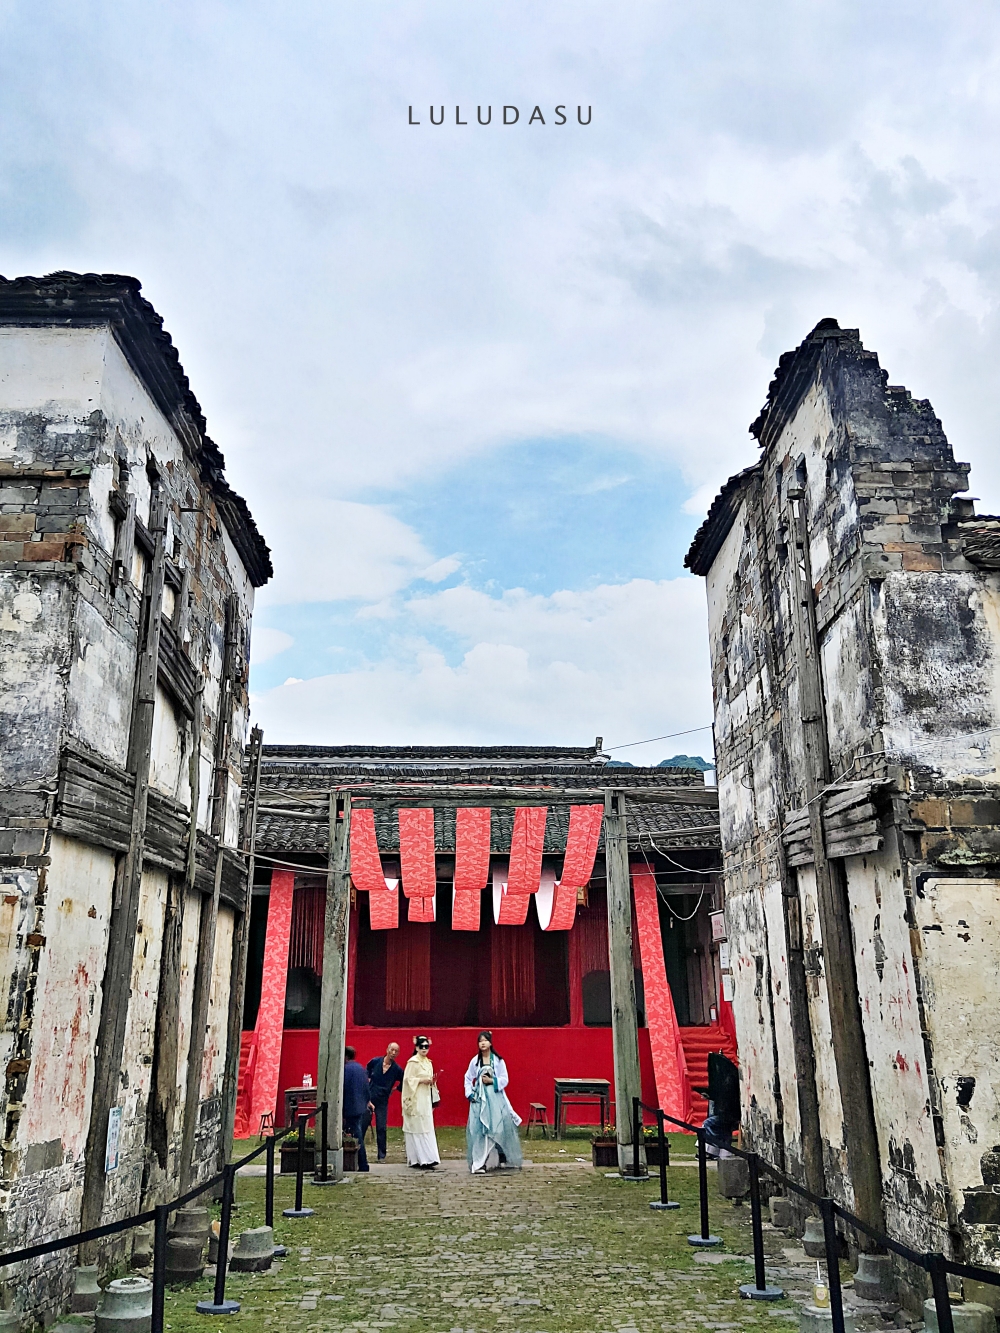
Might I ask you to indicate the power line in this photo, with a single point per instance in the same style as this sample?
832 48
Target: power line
628 745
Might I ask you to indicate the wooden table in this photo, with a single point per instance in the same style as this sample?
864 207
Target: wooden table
296 1097
578 1092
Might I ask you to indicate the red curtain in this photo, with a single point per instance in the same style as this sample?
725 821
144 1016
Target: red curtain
512 973
408 970
305 942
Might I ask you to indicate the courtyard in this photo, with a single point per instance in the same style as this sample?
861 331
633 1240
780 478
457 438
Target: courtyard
557 1246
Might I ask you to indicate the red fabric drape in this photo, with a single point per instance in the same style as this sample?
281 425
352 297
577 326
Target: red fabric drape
408 970
578 863
271 1013
305 943
581 844
421 909
526 845
416 852
512 975
669 1062
472 849
366 864
383 910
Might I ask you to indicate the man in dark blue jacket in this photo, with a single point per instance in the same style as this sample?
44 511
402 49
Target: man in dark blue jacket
384 1074
356 1103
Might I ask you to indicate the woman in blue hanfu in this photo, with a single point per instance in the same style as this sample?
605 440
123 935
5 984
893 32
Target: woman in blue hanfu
491 1134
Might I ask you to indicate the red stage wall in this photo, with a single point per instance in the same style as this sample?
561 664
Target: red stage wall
534 1057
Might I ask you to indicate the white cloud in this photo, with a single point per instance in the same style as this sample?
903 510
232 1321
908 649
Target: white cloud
268 643
624 662
337 550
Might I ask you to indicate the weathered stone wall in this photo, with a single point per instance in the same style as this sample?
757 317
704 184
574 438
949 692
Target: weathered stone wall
77 430
910 651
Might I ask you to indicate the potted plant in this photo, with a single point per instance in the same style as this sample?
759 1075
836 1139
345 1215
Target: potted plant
290 1154
604 1147
350 1153
651 1142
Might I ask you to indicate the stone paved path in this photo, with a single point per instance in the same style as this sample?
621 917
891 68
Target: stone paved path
556 1246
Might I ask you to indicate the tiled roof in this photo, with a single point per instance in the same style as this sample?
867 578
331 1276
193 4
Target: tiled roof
981 540
287 770
82 300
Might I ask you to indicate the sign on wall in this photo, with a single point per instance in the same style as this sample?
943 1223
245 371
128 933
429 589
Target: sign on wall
114 1135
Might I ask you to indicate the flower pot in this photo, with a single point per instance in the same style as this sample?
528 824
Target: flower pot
604 1152
350 1158
290 1158
653 1153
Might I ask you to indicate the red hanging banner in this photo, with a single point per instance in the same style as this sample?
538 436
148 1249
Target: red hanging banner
421 909
416 852
581 844
472 849
465 910
669 1060
271 1013
366 864
383 909
526 846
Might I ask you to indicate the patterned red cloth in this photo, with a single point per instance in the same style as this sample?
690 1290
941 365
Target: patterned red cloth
472 849
669 1062
271 1013
416 852
526 845
366 864
383 910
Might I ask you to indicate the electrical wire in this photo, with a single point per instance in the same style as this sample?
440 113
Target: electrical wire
669 737
676 915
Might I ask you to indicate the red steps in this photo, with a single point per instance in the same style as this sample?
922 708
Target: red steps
698 1042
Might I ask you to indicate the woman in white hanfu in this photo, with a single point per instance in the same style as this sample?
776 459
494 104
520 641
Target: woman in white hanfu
419 1084
491 1136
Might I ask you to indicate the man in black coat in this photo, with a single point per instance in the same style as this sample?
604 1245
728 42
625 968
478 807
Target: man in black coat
356 1103
384 1074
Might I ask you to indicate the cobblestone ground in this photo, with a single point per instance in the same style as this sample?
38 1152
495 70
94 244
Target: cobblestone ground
557 1246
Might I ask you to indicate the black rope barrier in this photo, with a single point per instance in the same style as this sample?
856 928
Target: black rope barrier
937 1266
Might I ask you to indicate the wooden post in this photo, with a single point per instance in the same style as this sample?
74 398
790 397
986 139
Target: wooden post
209 913
117 984
846 1030
624 1015
204 968
241 940
166 1053
333 998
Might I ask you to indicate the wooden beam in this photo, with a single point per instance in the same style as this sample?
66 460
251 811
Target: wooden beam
333 994
312 802
199 1022
116 988
241 941
839 966
624 1013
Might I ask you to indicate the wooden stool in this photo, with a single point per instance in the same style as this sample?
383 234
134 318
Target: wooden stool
266 1125
536 1116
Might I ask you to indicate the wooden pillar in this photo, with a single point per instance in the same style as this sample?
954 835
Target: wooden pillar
843 1002
209 915
117 983
624 1015
241 940
167 1052
333 999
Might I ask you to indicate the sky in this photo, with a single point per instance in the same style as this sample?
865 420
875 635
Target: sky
479 383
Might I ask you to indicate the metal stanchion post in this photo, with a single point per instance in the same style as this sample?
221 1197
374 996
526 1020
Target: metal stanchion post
298 1210
321 1175
636 1133
219 1304
159 1265
279 1250
939 1287
662 1203
832 1242
758 1290
705 1240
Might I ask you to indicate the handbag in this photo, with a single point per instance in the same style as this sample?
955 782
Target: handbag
435 1095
